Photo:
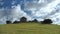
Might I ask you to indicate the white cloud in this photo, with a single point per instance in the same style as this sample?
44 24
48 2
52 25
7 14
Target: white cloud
12 14
37 5
1 3
44 9
47 10
18 13
2 16
13 2
37 9
42 1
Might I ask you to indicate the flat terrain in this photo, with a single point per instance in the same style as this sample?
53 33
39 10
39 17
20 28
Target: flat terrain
29 28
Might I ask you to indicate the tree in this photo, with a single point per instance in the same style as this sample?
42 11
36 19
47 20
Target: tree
16 22
35 20
47 21
8 22
23 19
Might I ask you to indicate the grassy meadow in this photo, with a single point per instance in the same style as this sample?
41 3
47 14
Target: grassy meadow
29 28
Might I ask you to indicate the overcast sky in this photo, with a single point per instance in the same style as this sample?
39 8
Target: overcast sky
31 9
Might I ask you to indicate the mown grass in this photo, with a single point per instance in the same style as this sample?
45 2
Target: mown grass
29 28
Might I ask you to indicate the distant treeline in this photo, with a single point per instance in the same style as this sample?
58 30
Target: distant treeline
24 20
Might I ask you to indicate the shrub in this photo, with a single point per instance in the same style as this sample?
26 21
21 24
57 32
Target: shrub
23 19
35 21
8 22
16 22
47 21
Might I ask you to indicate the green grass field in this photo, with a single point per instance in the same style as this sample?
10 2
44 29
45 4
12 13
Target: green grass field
29 28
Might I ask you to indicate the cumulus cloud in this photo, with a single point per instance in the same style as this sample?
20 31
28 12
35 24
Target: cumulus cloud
3 15
40 10
37 5
44 9
18 13
15 13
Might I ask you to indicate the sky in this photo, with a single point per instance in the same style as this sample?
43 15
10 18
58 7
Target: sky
31 9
